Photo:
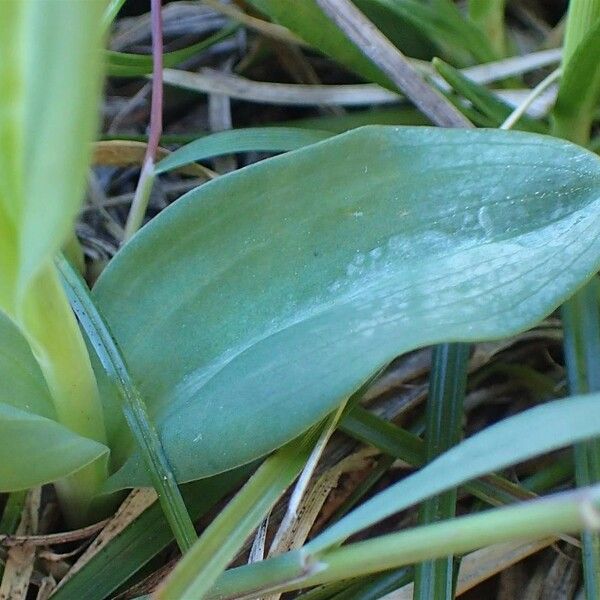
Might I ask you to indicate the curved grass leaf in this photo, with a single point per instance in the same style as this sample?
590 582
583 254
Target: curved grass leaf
539 430
260 139
444 26
484 100
309 22
249 309
527 521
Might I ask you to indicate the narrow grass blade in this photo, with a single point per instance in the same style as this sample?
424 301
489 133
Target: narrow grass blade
389 438
198 570
499 491
133 406
261 139
111 12
483 99
488 17
378 587
581 322
444 415
572 119
566 512
399 443
541 429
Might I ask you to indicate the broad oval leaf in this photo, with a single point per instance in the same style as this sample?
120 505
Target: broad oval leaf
251 307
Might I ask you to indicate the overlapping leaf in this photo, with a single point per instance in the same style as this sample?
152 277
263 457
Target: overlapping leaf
34 448
256 303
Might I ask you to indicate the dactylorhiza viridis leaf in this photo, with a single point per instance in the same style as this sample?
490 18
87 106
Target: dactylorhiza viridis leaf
51 420
255 304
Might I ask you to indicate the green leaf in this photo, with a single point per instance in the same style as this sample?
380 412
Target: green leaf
444 417
309 22
51 74
408 24
37 450
579 92
534 520
59 80
23 385
251 307
444 26
261 139
539 430
34 449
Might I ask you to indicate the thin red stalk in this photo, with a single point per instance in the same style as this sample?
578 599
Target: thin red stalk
157 82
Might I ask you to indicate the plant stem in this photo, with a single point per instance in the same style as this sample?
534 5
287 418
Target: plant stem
566 512
581 15
51 329
434 579
580 314
146 181
134 408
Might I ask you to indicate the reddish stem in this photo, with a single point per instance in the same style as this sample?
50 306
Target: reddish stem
157 81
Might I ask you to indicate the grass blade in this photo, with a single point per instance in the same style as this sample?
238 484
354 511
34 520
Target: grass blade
567 512
581 322
389 438
444 415
197 571
573 114
261 139
133 406
541 429
483 99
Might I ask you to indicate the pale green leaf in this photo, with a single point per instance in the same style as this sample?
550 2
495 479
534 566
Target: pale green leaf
251 307
34 448
48 112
